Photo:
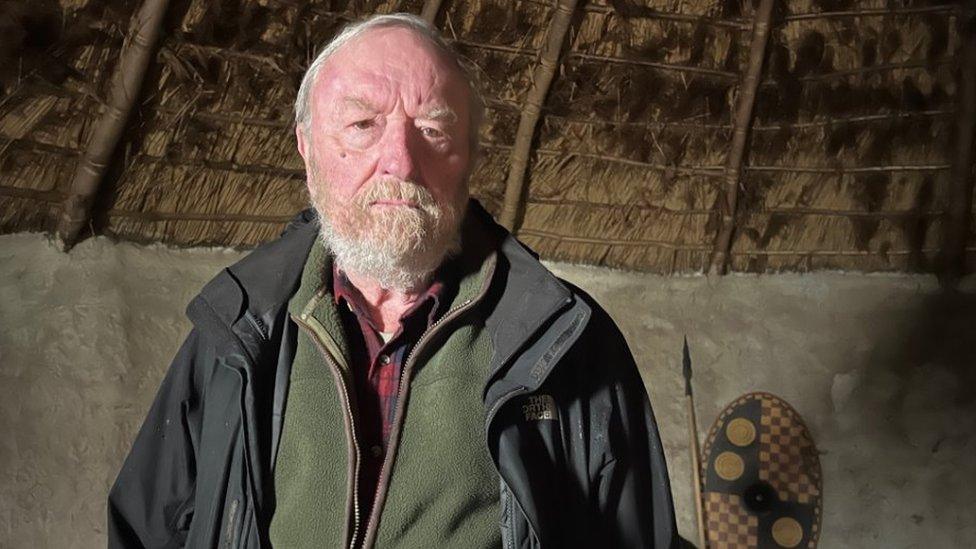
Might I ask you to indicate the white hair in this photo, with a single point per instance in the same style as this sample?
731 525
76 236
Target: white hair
407 21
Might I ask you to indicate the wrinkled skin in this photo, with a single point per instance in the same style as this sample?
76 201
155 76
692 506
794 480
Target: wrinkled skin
388 154
371 112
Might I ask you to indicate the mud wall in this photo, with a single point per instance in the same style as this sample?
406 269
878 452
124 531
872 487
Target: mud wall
880 367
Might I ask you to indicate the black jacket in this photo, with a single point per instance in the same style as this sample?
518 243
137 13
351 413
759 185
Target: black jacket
200 470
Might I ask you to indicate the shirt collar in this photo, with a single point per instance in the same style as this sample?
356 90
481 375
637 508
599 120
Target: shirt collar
344 290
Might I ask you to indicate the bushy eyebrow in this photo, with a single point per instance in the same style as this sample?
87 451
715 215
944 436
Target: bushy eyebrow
435 114
358 103
440 114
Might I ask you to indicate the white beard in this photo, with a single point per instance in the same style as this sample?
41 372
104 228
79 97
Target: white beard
398 247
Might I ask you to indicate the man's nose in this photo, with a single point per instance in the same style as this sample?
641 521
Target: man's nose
398 152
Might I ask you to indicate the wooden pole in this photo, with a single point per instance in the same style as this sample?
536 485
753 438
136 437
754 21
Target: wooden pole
696 471
693 444
959 212
515 186
429 12
136 55
740 131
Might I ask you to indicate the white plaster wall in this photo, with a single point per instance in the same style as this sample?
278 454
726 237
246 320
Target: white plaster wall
85 339
880 367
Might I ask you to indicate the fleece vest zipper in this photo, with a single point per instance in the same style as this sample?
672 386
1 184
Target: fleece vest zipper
318 454
313 462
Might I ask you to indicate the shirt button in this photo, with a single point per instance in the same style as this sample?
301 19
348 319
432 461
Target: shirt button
384 359
376 450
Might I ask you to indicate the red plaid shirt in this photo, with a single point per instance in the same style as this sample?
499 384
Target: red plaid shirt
376 370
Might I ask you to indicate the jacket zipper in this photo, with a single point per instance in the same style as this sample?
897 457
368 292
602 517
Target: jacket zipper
257 324
404 375
502 400
488 417
242 373
337 371
247 454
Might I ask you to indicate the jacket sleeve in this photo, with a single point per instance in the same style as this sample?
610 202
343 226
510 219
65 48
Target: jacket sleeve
632 490
151 502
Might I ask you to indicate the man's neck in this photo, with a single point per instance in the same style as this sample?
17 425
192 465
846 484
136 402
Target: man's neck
385 306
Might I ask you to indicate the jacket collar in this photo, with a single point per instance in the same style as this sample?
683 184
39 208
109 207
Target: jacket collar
536 319
528 296
261 281
238 308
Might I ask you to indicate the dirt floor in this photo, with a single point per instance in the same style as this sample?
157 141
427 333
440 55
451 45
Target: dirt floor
881 367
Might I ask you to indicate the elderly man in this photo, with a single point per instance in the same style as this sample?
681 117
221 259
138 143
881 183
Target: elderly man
396 370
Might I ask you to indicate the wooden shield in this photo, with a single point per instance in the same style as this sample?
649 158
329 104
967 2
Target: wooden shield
761 477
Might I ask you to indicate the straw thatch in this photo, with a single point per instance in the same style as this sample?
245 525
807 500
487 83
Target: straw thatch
848 158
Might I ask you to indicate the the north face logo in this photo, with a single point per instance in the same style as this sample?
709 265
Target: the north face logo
540 407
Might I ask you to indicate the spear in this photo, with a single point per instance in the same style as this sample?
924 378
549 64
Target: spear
693 447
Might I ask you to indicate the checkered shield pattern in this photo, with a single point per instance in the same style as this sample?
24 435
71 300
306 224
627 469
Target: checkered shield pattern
785 453
729 524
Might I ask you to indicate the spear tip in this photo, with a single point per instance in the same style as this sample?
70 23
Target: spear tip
686 366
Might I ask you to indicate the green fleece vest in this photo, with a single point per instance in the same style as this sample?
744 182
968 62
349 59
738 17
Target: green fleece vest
443 487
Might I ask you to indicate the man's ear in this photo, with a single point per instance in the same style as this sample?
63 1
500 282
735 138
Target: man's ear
300 136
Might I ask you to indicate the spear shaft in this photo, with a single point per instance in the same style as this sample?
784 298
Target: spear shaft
693 446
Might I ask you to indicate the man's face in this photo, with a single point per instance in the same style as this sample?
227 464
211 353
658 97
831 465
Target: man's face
387 149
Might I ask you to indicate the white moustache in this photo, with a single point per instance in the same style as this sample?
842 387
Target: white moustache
397 189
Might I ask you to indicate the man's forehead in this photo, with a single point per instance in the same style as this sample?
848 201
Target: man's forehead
363 75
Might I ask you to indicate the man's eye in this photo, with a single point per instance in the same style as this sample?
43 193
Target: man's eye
363 124
433 133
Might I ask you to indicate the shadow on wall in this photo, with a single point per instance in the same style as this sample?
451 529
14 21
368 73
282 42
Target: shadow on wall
936 350
916 396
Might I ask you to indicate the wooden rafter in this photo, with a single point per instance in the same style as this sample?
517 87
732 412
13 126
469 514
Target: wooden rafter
515 187
136 55
872 12
191 216
740 131
661 15
959 211
430 9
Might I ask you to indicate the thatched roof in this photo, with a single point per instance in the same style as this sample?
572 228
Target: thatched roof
848 164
